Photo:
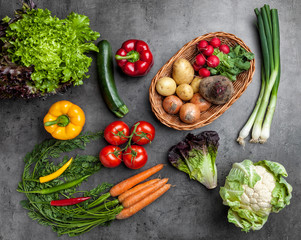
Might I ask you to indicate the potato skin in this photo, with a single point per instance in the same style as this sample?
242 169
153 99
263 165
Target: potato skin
216 89
172 104
189 113
195 84
182 71
166 86
185 92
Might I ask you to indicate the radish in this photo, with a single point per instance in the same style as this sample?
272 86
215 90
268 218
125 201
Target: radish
196 67
215 42
209 50
202 45
200 60
204 72
212 61
224 48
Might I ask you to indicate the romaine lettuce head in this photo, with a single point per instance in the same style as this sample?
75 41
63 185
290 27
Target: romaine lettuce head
253 191
196 155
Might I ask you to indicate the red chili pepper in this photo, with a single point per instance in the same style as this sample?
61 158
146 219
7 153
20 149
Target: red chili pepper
134 58
68 201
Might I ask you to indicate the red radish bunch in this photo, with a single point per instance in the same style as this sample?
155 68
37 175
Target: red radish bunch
202 45
215 42
206 56
209 51
196 67
213 61
200 60
204 72
224 48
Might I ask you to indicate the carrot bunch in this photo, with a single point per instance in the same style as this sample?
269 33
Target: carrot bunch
135 197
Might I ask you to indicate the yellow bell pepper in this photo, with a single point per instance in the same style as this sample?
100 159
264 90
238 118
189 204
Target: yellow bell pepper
64 120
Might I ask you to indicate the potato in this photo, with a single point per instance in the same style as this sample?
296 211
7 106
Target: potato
172 104
195 84
189 113
216 89
185 92
182 71
166 86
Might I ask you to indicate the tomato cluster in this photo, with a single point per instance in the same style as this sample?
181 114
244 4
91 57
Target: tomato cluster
206 56
118 133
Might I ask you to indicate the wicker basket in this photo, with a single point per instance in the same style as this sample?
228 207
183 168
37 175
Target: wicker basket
189 51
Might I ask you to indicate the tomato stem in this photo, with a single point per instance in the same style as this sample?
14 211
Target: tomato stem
116 153
128 145
140 134
120 134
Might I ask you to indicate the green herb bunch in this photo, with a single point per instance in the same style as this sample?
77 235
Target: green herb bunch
71 220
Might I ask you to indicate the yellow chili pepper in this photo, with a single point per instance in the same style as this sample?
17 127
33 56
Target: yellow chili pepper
64 120
56 174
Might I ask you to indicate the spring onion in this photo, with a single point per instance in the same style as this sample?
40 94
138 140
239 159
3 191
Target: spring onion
262 115
245 131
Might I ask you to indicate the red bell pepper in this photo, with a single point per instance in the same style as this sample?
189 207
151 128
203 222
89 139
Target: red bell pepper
134 58
68 201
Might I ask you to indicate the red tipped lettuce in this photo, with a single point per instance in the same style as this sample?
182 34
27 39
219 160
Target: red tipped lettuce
196 155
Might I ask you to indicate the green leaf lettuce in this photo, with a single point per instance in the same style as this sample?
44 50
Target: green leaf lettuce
54 47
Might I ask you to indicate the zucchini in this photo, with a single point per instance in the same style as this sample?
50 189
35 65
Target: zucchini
108 88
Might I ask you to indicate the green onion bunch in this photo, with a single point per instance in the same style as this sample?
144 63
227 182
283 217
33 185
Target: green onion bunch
262 115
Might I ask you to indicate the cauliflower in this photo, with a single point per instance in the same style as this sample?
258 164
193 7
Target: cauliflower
259 198
253 191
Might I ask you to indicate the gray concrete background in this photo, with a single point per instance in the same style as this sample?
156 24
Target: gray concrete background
187 211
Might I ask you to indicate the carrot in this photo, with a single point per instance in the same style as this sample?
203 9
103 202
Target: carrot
128 212
136 189
134 180
136 197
